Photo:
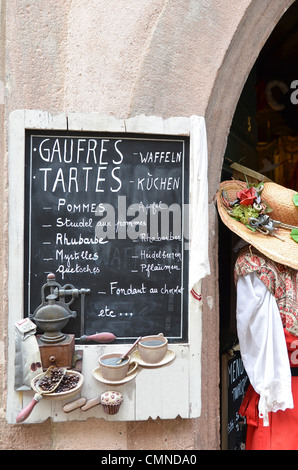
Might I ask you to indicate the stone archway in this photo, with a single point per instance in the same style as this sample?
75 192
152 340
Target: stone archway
197 63
254 29
250 37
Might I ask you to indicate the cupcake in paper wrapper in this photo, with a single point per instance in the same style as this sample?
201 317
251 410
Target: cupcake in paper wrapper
111 402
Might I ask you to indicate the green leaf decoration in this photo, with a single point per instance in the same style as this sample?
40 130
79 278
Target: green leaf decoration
243 213
268 210
295 200
294 234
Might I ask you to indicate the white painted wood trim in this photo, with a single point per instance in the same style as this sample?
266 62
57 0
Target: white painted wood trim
168 391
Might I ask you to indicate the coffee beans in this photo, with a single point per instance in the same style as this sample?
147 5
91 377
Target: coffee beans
68 382
47 382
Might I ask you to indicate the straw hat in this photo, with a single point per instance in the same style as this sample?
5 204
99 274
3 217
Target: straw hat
276 244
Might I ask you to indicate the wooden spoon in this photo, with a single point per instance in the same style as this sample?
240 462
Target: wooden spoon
130 349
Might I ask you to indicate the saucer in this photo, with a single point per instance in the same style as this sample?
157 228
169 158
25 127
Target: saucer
98 376
168 357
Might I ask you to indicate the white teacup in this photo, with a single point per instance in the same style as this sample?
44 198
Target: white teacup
110 370
152 349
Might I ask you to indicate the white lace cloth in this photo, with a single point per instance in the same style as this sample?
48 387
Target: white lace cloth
263 346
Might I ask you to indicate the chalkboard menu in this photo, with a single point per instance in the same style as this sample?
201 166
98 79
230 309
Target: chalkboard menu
109 213
234 386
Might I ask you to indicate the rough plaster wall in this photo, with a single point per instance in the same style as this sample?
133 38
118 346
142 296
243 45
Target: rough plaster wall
163 57
186 51
36 35
106 43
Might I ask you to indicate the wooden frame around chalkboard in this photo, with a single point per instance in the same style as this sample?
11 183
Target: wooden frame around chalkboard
166 392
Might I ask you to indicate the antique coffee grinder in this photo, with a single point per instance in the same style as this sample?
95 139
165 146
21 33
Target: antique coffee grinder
51 316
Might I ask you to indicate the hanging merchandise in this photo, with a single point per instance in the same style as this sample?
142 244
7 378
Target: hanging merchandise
27 359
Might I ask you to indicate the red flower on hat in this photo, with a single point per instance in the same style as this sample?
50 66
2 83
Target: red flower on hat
247 196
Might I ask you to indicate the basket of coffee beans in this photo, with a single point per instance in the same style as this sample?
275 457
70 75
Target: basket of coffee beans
70 384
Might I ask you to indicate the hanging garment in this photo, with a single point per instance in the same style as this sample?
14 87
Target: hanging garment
267 327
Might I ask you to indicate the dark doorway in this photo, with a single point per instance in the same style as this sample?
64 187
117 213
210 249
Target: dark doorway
264 138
